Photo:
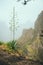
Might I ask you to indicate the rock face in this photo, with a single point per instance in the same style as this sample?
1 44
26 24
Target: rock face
28 33
39 24
36 36
39 27
39 35
26 36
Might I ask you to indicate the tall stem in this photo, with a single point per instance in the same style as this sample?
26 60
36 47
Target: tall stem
13 23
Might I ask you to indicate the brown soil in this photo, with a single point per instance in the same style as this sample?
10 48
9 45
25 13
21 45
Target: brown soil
8 59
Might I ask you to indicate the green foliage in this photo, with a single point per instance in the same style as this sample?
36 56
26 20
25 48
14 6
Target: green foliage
1 43
12 45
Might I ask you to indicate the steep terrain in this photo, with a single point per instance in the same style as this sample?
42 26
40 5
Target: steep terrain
35 38
29 49
27 35
8 59
39 35
39 24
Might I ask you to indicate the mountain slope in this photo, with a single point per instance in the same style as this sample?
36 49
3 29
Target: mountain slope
27 35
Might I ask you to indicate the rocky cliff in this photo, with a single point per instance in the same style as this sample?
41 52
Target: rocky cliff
35 49
27 35
39 24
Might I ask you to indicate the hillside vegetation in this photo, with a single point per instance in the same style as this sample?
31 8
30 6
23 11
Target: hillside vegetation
27 50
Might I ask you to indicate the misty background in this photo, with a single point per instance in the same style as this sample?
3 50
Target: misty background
25 16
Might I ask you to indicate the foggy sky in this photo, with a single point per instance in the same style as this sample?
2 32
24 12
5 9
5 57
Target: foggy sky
25 16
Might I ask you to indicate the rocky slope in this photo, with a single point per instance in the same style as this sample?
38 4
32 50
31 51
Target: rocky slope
8 59
27 35
39 36
39 24
35 49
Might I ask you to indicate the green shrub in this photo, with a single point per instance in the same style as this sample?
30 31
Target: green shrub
1 43
12 45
